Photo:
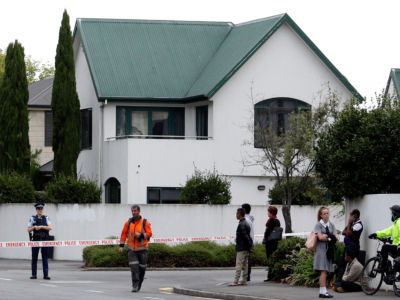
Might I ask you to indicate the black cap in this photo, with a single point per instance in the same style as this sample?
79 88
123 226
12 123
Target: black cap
396 210
39 205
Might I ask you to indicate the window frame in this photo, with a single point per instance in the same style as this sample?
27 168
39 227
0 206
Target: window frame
171 119
89 143
48 128
107 190
160 191
281 113
202 121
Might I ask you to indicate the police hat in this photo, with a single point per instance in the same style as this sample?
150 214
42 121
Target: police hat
39 205
395 210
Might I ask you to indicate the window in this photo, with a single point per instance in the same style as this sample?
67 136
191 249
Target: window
86 138
48 128
202 121
150 121
163 195
113 190
273 114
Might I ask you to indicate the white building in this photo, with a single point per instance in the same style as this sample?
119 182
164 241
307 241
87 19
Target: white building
159 98
393 84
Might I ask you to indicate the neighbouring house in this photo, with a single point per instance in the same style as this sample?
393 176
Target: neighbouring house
393 84
41 123
161 98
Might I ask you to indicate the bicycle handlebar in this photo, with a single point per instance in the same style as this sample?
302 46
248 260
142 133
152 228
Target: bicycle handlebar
385 240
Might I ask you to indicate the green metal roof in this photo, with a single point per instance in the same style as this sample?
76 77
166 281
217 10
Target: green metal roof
395 76
174 60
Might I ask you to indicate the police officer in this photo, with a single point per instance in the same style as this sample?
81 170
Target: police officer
38 228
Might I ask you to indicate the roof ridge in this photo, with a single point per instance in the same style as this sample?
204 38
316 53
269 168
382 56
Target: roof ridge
261 19
148 21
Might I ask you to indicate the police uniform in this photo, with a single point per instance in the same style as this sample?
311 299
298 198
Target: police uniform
39 235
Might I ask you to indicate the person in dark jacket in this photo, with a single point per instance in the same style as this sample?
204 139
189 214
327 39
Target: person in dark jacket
244 244
270 246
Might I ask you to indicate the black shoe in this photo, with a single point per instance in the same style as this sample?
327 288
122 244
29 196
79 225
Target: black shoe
248 278
135 289
33 277
327 295
46 277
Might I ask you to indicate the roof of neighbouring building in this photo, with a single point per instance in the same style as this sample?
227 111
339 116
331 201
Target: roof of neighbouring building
395 76
174 60
40 93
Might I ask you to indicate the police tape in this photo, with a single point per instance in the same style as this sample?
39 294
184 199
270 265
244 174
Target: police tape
77 243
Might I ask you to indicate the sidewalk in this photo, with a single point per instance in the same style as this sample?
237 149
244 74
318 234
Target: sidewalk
267 290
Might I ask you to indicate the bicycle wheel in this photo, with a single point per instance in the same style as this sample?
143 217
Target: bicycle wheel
371 280
396 284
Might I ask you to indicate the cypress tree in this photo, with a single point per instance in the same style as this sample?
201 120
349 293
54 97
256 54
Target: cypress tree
14 126
65 106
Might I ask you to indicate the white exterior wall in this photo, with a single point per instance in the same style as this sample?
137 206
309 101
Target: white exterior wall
36 135
391 90
88 164
99 221
283 67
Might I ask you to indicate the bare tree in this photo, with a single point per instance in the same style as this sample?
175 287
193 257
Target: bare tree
288 153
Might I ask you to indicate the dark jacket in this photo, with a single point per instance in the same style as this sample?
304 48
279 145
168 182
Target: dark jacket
243 239
271 225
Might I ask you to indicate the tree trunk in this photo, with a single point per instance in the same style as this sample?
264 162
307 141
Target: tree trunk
287 217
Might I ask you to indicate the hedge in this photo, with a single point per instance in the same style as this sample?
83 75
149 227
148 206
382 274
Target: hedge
16 188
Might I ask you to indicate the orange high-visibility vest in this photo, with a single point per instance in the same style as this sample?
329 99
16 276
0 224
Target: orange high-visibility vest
136 244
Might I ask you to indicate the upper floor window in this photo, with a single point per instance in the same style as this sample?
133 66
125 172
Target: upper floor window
148 121
202 121
48 128
273 115
86 138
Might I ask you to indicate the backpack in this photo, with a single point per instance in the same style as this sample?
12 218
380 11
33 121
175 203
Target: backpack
143 226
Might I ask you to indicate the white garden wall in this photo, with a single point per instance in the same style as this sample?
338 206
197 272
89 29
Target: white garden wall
98 221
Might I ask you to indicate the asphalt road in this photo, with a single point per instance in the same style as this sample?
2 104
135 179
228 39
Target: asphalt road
69 281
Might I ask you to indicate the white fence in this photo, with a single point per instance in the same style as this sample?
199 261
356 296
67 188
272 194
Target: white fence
99 221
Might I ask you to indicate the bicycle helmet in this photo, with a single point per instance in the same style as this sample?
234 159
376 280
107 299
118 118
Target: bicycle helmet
395 210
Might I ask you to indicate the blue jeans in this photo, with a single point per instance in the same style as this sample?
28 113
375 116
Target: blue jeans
35 254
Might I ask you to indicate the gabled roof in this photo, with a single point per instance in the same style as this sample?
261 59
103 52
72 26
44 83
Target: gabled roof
174 60
40 93
395 76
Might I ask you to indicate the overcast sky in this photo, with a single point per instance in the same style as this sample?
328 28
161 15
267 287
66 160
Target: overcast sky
360 37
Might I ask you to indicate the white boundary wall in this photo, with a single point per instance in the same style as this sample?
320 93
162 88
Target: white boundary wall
99 221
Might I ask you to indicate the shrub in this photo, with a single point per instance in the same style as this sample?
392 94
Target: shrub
313 193
360 153
279 261
16 188
66 189
206 188
41 196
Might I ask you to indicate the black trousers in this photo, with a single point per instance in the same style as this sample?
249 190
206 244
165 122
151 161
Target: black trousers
348 286
386 249
45 254
137 263
249 267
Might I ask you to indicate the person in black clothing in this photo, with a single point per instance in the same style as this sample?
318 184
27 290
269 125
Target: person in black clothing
244 244
270 246
38 229
352 233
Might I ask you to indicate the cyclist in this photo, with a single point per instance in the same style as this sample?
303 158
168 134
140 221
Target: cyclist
394 232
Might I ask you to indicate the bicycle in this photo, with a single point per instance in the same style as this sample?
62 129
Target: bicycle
370 276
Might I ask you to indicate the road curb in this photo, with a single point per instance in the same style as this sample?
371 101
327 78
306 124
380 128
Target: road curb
206 294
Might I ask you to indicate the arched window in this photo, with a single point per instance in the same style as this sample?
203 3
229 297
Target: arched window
273 115
113 190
